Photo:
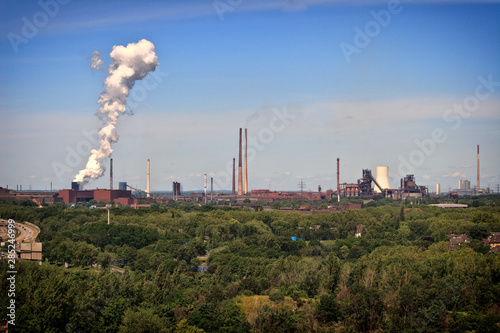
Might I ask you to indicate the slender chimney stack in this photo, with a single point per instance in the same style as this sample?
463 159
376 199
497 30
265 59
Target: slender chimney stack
205 188
211 188
240 170
246 165
234 176
110 173
338 179
478 181
148 182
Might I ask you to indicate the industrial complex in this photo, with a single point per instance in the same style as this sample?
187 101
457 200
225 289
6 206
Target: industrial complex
367 185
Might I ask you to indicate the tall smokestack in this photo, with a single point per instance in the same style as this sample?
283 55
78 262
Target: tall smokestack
338 179
205 188
240 171
148 182
246 164
234 176
478 182
110 173
211 188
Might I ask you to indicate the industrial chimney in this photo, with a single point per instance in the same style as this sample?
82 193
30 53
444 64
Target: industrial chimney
148 182
382 178
234 176
478 182
438 189
110 173
205 188
240 171
246 165
338 179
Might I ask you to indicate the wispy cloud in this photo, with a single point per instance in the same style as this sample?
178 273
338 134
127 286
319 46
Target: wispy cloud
344 116
164 11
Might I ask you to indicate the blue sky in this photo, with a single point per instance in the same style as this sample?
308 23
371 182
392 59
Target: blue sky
247 66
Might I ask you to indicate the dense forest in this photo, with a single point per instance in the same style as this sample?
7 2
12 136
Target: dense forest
188 268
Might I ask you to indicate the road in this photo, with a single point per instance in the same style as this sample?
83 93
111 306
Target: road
24 232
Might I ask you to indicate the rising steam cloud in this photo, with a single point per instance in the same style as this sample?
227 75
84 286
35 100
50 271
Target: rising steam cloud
129 64
96 61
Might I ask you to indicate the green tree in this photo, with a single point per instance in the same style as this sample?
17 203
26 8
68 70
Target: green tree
276 296
142 320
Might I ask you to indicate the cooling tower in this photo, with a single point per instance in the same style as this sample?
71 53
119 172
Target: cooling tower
382 178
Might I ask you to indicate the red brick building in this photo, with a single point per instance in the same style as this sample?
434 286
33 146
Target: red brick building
76 196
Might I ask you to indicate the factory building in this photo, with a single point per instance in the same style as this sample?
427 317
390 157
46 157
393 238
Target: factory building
75 196
36 196
463 185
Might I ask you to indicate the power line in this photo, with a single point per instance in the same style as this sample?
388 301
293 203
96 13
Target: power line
301 185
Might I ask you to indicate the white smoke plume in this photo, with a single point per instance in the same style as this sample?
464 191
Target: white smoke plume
129 64
96 61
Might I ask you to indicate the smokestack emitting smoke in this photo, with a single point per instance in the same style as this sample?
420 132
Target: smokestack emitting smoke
129 64
148 181
240 171
110 173
246 164
478 183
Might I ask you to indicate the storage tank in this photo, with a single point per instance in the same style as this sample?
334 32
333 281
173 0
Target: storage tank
382 178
